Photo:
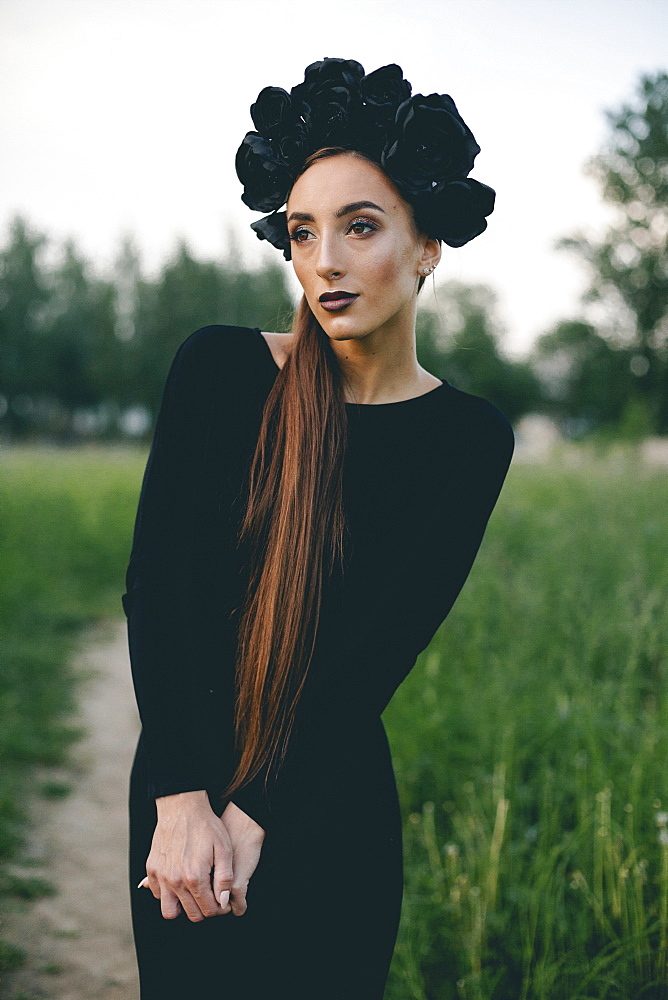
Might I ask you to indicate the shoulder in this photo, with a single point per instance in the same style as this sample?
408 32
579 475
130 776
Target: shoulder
481 436
480 418
205 357
215 342
214 361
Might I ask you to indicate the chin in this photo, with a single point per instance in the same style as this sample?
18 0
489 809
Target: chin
341 335
345 327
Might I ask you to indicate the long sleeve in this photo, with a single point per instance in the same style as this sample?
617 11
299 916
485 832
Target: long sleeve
164 600
353 684
477 476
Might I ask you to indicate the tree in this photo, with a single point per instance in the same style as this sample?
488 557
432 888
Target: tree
81 346
189 294
24 293
460 343
629 266
587 382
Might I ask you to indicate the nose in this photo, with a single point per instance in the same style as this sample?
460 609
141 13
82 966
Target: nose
329 264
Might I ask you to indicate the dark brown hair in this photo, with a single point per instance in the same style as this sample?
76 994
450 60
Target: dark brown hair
294 523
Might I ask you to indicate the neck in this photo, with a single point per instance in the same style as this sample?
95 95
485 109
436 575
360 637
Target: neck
382 366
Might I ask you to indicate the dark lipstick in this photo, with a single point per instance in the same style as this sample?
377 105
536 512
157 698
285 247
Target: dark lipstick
333 301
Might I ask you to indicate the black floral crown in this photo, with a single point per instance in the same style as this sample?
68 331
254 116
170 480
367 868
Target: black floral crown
421 142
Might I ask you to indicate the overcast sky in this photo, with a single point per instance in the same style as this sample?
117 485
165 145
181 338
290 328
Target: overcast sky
122 116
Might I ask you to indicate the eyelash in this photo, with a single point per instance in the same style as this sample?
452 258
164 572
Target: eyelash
356 222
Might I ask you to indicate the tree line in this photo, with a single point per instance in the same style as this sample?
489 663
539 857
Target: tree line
84 355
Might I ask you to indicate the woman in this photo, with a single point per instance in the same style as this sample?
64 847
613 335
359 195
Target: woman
311 507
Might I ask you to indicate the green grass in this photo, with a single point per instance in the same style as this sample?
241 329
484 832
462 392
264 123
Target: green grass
65 524
530 740
531 749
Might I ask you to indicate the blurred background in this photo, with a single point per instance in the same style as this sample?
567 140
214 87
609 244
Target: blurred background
122 228
532 775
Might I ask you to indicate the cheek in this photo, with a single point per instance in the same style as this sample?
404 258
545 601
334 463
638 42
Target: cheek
390 266
301 273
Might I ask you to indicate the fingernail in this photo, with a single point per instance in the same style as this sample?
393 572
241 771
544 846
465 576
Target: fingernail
142 884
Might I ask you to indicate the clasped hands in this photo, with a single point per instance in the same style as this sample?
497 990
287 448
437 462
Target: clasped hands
201 863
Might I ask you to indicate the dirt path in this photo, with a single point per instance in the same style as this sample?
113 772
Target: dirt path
79 942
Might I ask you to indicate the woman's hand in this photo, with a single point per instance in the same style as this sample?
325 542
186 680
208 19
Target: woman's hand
190 845
246 838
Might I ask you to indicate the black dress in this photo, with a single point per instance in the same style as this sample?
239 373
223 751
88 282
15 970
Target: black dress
421 477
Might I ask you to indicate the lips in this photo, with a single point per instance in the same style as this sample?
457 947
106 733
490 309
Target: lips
333 301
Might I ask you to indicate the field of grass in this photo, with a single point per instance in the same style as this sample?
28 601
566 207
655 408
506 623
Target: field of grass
530 740
65 519
531 749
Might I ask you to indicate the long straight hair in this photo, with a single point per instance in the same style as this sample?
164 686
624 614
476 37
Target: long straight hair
294 524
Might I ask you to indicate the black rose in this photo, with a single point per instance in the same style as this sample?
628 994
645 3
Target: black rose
385 89
331 73
273 113
333 83
368 133
293 148
456 214
382 92
331 116
433 145
274 229
265 178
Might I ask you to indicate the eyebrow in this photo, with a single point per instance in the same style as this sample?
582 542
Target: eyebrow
355 206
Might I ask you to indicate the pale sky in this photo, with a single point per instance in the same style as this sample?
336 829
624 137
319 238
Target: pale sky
119 116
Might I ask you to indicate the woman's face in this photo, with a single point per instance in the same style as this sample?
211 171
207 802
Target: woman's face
353 234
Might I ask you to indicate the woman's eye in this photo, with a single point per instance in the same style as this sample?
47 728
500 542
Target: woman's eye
359 226
300 235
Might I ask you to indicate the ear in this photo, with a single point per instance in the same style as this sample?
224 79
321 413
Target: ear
430 256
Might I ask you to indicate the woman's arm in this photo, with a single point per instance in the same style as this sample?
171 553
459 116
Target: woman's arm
161 599
172 684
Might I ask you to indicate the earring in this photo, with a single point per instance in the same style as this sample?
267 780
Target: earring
428 270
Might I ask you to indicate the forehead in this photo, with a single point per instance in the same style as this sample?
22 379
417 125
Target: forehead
339 180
